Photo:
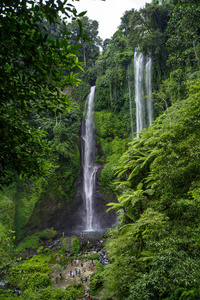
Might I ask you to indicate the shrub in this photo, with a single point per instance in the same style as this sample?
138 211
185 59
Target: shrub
48 234
99 267
97 279
89 245
64 246
35 281
40 249
8 294
96 284
30 242
54 258
49 293
94 256
37 264
76 245
76 289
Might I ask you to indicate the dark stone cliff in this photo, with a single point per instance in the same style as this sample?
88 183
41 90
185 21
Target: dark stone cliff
54 212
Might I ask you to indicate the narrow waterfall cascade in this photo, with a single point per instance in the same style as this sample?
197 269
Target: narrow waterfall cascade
148 68
88 211
130 101
139 91
89 169
143 90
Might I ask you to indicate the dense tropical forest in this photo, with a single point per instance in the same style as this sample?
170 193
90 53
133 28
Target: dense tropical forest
151 179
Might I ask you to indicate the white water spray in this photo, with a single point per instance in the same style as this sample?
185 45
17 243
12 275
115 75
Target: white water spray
148 68
89 169
130 101
139 91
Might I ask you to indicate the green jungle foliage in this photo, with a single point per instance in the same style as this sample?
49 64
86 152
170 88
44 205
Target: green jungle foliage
96 284
62 165
34 71
59 126
33 241
154 252
33 278
111 131
76 245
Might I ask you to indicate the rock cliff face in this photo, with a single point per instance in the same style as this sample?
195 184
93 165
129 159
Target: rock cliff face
53 212
77 217
76 212
101 219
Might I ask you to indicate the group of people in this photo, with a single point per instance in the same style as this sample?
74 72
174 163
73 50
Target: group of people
78 271
76 262
89 278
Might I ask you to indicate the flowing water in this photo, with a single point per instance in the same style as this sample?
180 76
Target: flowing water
143 90
89 169
148 68
139 91
130 101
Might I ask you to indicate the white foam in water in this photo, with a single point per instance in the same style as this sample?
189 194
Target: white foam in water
89 169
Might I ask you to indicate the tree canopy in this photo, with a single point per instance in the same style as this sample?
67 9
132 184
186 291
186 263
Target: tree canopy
35 69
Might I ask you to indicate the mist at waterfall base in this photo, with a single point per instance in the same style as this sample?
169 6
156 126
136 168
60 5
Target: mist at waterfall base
89 212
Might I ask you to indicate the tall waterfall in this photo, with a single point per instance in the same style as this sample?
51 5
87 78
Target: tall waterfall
89 169
148 68
139 91
143 91
130 101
